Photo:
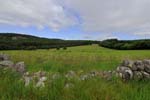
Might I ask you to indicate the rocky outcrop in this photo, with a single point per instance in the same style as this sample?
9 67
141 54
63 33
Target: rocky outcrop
134 70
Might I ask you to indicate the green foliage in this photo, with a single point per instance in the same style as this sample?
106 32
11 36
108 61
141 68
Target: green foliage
11 41
126 45
57 48
65 48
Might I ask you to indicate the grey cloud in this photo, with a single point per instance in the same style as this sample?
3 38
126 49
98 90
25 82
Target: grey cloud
39 13
113 15
104 16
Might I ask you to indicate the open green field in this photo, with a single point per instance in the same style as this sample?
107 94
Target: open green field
82 58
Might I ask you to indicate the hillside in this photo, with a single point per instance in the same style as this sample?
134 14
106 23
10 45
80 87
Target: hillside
13 41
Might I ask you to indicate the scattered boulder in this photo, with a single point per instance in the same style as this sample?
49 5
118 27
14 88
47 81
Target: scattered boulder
6 63
70 74
38 78
55 76
68 85
27 78
20 67
41 81
84 77
4 57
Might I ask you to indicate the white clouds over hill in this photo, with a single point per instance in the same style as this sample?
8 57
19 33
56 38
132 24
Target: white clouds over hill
131 16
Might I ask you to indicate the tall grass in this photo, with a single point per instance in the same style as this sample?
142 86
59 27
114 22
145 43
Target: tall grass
82 58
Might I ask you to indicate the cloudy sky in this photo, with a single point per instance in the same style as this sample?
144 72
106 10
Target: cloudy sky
77 19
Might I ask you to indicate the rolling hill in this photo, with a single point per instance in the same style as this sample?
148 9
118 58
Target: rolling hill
14 41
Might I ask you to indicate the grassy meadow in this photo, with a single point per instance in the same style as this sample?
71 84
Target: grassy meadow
79 59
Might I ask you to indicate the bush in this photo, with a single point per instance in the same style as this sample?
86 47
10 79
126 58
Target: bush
58 48
31 48
64 48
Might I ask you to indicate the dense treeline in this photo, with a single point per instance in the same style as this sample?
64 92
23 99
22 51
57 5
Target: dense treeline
12 41
126 44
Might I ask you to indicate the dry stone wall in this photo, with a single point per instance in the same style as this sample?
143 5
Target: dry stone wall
127 70
138 70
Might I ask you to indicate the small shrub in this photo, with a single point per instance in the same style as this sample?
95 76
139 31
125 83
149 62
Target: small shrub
30 48
64 48
57 48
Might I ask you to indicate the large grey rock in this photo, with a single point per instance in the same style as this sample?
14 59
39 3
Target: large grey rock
146 61
145 74
131 64
134 67
20 67
125 73
139 65
4 57
146 65
6 63
127 63
138 75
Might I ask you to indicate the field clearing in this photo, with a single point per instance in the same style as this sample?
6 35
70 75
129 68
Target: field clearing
81 58
76 58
